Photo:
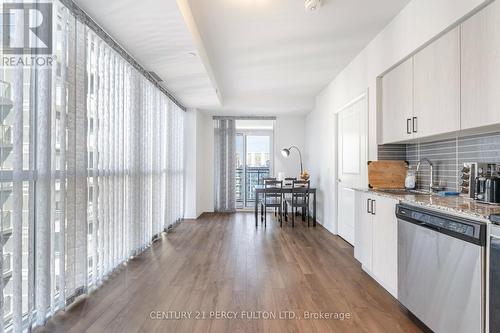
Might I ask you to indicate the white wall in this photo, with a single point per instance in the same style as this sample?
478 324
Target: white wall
190 158
289 131
205 164
198 140
418 23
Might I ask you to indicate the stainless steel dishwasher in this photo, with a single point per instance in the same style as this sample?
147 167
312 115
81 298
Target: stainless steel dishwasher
441 269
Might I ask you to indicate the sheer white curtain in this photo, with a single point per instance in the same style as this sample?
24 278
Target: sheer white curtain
175 167
225 164
91 172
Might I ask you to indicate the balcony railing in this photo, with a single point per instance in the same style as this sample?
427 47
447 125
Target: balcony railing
5 99
245 186
6 221
5 89
6 136
7 306
7 263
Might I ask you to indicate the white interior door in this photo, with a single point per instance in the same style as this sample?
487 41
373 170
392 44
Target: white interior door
352 122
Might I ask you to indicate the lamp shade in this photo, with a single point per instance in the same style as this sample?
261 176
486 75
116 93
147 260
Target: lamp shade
285 152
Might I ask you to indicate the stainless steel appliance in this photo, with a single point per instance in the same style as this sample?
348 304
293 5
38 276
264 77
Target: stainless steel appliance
487 184
441 265
492 190
470 173
494 276
480 188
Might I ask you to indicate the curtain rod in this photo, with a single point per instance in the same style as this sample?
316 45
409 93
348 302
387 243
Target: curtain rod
83 17
243 118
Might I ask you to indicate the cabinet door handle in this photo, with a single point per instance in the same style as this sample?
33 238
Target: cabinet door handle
408 125
373 207
368 205
414 125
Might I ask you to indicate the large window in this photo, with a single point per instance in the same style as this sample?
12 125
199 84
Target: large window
91 170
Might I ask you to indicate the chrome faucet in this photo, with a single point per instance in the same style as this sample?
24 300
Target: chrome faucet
431 185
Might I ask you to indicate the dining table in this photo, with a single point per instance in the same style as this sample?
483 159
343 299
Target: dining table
286 189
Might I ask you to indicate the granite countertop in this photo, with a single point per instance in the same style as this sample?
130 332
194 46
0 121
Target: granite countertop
453 204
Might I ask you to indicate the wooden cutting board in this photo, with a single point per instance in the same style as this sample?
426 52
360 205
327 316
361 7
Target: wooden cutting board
387 174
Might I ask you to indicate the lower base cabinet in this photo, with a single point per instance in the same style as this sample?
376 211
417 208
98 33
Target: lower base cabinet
376 242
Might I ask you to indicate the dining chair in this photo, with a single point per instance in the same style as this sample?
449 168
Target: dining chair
299 199
264 180
273 198
287 183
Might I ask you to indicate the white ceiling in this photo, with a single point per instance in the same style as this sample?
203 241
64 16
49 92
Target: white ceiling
256 57
156 34
271 57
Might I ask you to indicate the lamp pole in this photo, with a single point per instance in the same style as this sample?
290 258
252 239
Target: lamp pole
300 156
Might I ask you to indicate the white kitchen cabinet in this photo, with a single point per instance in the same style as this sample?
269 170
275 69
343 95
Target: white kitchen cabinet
397 103
448 86
385 244
436 73
363 231
481 68
376 240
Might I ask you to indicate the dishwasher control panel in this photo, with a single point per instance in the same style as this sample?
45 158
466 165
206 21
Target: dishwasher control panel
472 231
442 223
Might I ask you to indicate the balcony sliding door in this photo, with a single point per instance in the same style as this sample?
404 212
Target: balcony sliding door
254 151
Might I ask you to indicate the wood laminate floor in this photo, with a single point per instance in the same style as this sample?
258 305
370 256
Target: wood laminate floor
221 262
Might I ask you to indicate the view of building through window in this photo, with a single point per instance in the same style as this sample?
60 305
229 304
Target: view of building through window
253 159
7 197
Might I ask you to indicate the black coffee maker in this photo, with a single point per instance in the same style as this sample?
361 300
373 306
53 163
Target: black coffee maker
492 190
487 185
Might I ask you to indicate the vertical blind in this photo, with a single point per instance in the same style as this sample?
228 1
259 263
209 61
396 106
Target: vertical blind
91 172
225 164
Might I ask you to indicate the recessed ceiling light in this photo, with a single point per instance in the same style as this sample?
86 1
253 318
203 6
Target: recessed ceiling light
312 5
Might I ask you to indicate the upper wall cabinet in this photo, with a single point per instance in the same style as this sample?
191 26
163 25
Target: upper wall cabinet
436 73
450 85
481 68
397 103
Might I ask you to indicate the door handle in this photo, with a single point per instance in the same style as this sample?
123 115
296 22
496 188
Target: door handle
414 125
368 205
373 207
408 125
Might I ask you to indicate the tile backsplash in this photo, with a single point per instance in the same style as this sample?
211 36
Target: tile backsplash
392 152
447 156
